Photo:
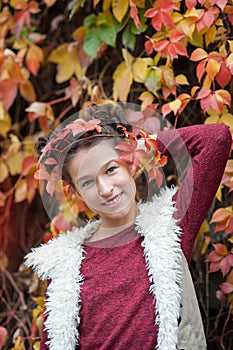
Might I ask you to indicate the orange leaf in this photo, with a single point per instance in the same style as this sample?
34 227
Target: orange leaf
34 58
220 249
198 55
27 91
3 336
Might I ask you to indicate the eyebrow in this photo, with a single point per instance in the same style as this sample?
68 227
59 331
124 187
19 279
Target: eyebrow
103 166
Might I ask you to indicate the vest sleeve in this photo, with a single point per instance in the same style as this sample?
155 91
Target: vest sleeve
208 147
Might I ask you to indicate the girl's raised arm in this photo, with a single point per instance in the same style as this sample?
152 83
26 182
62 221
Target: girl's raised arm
208 146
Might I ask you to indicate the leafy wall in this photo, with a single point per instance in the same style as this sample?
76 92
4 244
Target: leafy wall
56 57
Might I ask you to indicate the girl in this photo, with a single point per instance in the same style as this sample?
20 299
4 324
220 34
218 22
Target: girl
122 281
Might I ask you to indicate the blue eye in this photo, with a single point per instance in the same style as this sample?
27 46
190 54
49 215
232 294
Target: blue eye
111 169
87 183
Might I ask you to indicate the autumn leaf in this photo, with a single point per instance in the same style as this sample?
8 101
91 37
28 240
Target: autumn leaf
130 154
34 57
161 14
3 336
3 171
27 91
74 91
172 47
81 126
67 58
119 9
28 163
122 76
213 99
176 106
39 109
134 14
223 218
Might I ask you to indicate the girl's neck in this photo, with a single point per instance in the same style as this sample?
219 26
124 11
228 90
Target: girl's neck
106 232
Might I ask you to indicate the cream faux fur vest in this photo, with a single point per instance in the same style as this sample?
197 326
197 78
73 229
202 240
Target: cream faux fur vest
177 313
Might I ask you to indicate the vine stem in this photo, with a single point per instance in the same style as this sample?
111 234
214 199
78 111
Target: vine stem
224 327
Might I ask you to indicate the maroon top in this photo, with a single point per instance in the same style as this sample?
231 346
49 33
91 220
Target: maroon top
117 308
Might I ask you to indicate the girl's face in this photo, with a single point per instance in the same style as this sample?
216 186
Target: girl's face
105 184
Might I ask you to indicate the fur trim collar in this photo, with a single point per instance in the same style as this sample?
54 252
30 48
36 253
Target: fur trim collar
163 259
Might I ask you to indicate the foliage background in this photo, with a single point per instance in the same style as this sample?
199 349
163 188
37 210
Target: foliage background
57 57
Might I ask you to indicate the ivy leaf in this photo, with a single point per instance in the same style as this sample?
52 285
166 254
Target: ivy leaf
27 91
107 34
119 9
134 14
8 92
91 43
28 163
154 80
21 191
122 77
34 57
3 171
81 126
226 287
128 38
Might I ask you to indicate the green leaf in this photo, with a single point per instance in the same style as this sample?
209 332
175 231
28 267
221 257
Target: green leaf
143 27
107 34
153 80
128 38
101 19
90 20
91 43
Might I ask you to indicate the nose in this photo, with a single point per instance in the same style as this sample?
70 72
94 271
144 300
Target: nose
104 188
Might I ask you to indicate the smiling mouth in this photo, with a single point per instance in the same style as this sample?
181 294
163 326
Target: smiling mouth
113 201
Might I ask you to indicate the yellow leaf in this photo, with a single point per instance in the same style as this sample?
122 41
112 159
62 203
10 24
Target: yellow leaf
175 105
147 99
230 239
127 57
181 79
119 8
36 345
3 171
34 57
67 58
212 120
139 68
230 42
123 79
227 119
5 121
223 96
219 193
210 35
15 163
29 146
197 40
212 68
106 5
27 91
21 191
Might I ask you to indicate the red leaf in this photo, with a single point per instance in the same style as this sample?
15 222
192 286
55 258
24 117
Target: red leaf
220 249
226 287
215 266
8 92
28 163
134 13
213 257
226 264
224 75
81 126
